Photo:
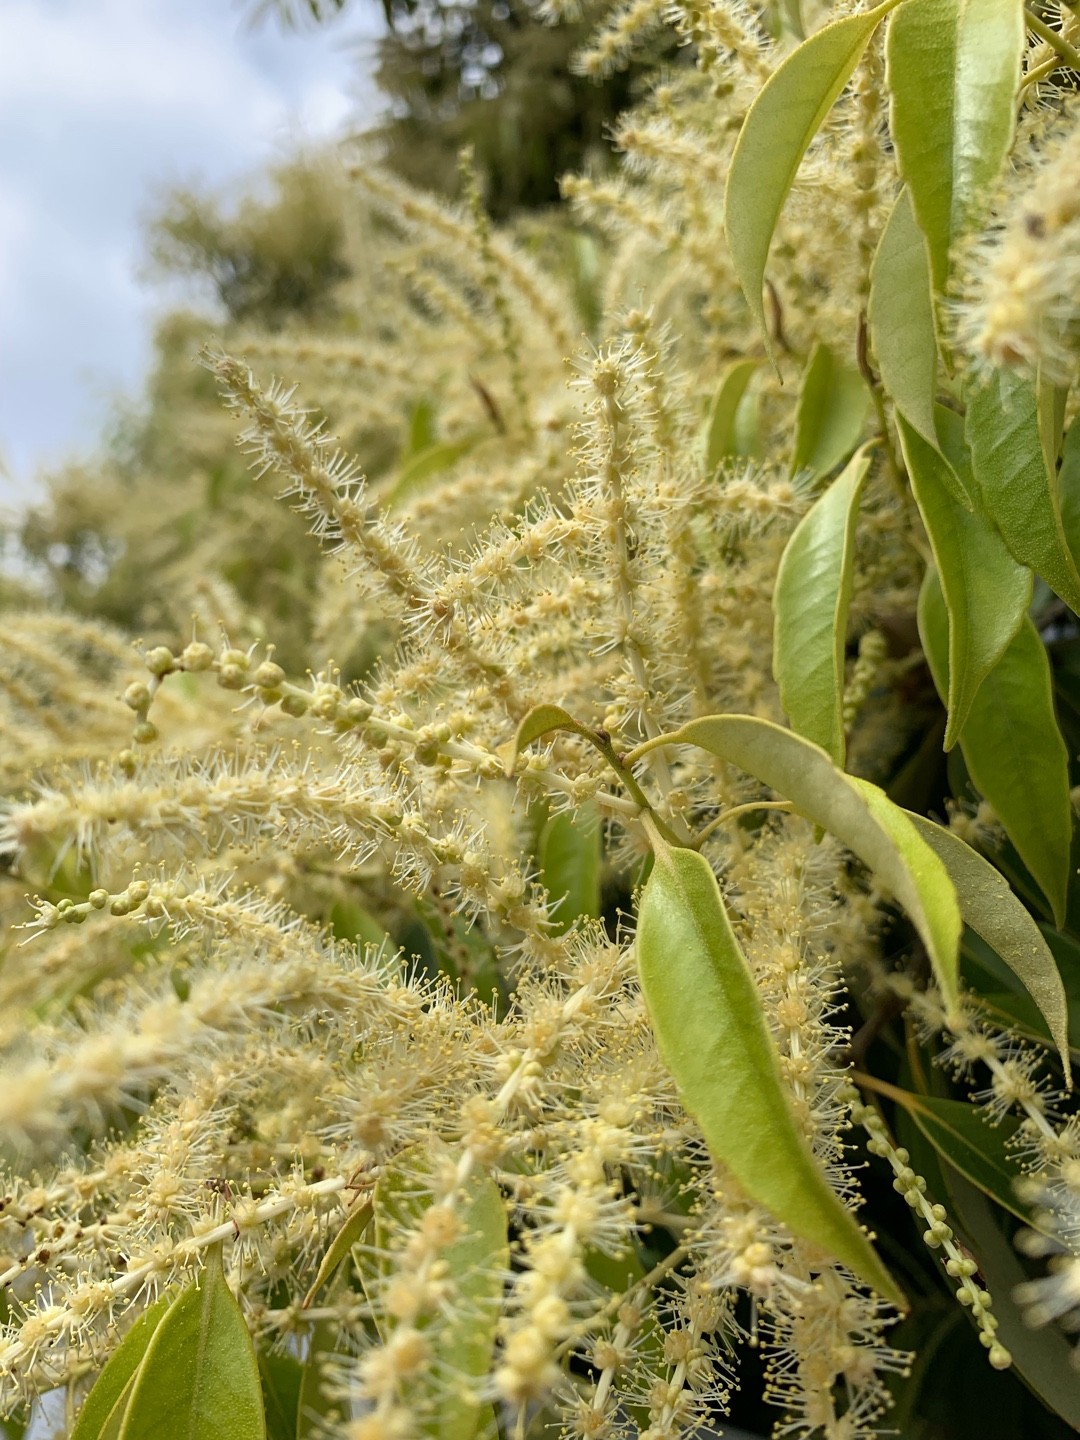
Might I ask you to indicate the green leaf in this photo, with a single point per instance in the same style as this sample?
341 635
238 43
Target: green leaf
856 812
720 437
1018 491
780 124
810 603
706 1014
901 319
1050 402
569 860
428 464
317 1409
989 906
961 1135
476 1262
1042 1357
830 415
1012 745
987 592
281 1376
352 1229
119 1369
541 720
199 1379
953 73
1068 488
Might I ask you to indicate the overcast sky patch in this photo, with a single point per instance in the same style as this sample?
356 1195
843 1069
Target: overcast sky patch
103 105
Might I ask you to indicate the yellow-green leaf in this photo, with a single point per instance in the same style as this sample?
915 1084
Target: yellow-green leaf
987 592
953 73
199 1379
830 415
429 464
447 1404
720 436
568 854
540 721
1012 745
351 1231
992 910
1018 491
901 317
856 812
780 124
810 605
706 1014
282 1377
93 1419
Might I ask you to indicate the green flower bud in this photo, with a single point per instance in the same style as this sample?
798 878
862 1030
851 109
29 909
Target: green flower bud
145 733
231 677
160 660
268 675
294 705
98 899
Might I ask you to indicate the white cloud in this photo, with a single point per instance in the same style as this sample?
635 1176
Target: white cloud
103 105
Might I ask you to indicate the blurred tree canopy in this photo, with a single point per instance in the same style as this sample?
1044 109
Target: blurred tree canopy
492 75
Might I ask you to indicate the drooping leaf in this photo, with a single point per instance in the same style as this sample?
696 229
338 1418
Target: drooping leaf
428 465
541 720
962 1136
1018 491
810 606
707 1016
856 812
780 124
901 318
476 1262
569 859
829 418
199 1379
953 73
1050 402
987 592
351 1231
281 1376
1042 1357
989 906
720 438
1012 745
115 1377
317 1408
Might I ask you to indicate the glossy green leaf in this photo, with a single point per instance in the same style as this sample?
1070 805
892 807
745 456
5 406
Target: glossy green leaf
1068 488
1012 745
568 855
720 437
901 319
953 72
282 1377
1042 1357
780 124
352 1229
961 1135
810 606
830 415
199 1379
987 591
1018 491
317 1410
540 721
706 1014
990 908
476 1263
1050 402
115 1377
856 812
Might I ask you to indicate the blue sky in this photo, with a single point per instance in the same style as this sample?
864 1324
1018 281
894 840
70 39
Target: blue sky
103 105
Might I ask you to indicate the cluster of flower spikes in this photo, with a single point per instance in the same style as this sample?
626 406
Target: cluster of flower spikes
242 1075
